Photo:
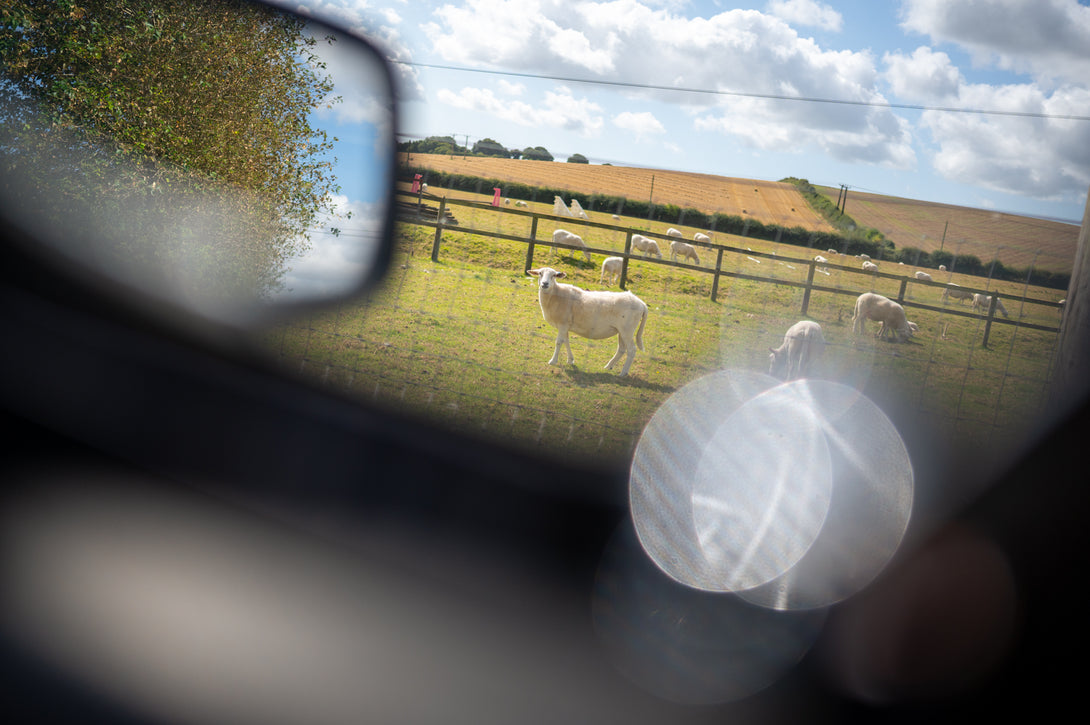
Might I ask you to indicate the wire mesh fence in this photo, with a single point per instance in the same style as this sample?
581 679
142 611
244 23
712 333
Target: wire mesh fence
461 340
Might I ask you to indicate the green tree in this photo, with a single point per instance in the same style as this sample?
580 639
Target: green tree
490 147
578 159
157 111
537 153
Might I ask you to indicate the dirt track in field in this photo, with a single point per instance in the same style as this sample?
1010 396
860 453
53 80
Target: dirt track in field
768 202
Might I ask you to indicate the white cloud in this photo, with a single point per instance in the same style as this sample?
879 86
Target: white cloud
558 109
739 51
925 76
641 124
1046 38
806 12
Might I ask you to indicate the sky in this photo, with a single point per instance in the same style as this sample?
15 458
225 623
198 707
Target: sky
539 73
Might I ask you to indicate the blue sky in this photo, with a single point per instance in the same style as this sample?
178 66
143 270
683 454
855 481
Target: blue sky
1027 58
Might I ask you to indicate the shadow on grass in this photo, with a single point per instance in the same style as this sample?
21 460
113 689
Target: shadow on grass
584 379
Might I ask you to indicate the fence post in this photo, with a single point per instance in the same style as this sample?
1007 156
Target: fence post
809 284
715 277
624 264
991 314
901 294
530 246
438 229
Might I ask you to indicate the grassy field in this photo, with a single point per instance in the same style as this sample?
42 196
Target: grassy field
462 341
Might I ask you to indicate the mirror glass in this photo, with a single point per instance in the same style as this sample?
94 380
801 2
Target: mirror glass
226 158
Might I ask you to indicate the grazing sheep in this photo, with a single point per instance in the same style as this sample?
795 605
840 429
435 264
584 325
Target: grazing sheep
563 236
594 315
822 261
883 330
923 275
870 267
699 237
617 217
982 302
870 306
671 232
682 249
942 267
802 345
952 290
507 202
646 245
863 256
611 266
520 203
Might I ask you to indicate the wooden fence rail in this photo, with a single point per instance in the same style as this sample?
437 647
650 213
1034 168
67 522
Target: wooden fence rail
441 224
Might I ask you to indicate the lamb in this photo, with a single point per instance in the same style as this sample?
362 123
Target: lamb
802 345
982 302
699 237
595 315
942 267
952 290
871 306
870 267
563 236
611 266
646 245
671 232
923 275
682 249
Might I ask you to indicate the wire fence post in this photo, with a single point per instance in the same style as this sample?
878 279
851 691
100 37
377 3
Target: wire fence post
438 229
624 258
530 246
715 277
991 314
809 285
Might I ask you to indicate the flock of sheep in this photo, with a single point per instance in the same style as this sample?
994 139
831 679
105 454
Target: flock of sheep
599 315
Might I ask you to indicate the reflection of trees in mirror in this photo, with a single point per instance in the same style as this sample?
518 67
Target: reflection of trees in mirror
181 128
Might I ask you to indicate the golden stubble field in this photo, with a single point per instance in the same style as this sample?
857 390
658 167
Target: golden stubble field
1017 241
768 202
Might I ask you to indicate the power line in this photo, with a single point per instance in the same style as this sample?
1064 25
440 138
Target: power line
741 94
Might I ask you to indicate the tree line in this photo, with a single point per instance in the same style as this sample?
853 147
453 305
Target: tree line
449 146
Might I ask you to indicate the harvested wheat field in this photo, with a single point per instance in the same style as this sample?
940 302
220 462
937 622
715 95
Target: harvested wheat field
1017 241
768 202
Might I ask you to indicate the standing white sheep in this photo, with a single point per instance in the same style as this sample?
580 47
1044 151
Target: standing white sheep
942 267
646 245
704 238
563 236
671 232
802 345
982 303
611 267
923 275
871 306
595 315
683 249
869 266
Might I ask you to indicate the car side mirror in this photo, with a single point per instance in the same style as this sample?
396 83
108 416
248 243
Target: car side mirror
229 161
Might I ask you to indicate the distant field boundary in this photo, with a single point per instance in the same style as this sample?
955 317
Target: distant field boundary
734 225
439 221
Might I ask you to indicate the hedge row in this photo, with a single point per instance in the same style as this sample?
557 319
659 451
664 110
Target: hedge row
849 239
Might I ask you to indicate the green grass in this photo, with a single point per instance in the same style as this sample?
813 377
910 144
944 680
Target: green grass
462 342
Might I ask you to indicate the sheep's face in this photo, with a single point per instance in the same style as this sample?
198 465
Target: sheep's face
546 277
776 363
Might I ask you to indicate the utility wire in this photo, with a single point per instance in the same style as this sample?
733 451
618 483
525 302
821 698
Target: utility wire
740 94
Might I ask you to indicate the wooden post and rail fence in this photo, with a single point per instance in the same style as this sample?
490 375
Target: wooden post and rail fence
423 215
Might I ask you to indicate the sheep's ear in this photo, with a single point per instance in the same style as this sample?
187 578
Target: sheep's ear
534 272
561 274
